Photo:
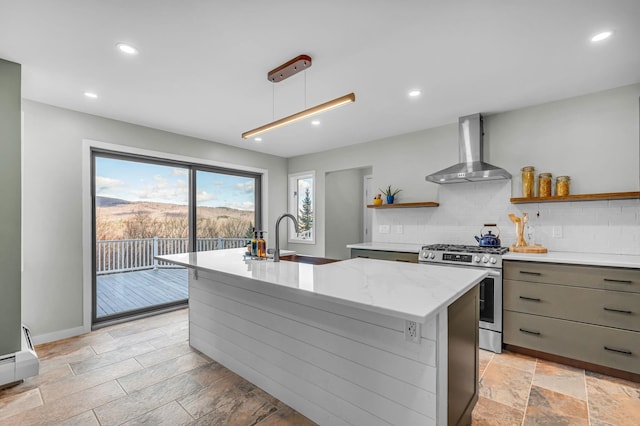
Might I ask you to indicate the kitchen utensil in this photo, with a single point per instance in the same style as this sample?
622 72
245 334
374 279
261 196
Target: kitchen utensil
521 245
520 241
489 239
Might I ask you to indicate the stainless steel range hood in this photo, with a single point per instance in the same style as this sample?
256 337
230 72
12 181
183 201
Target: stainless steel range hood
471 168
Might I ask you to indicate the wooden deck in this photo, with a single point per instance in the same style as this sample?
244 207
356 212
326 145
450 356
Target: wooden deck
127 291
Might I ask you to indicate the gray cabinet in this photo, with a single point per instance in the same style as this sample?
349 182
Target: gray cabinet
397 256
463 375
585 313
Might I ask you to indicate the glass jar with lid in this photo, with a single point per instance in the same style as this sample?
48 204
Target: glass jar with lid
562 185
527 181
544 185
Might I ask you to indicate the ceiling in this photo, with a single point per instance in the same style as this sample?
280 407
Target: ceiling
202 67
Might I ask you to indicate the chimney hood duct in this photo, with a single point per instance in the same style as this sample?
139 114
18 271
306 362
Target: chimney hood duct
470 168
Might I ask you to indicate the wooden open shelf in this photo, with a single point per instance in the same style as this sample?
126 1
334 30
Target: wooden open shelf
404 205
579 197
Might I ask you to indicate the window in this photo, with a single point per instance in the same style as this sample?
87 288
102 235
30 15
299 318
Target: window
226 212
302 206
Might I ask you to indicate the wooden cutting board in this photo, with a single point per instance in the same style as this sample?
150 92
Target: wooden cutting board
535 249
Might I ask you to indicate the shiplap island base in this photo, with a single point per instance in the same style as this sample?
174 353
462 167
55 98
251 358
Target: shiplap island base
330 340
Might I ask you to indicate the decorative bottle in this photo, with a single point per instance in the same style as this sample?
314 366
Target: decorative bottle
262 246
254 243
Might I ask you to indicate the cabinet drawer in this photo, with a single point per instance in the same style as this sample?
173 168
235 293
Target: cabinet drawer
397 256
602 307
619 279
610 347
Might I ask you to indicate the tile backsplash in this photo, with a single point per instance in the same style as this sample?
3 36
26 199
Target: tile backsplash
603 226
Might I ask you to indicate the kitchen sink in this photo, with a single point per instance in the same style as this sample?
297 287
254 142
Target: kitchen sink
312 260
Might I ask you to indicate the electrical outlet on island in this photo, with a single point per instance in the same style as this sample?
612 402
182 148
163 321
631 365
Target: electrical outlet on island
412 331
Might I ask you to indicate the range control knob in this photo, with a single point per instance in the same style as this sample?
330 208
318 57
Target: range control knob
432 256
493 260
485 259
476 259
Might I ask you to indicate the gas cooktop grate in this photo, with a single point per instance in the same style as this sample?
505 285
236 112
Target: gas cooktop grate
465 249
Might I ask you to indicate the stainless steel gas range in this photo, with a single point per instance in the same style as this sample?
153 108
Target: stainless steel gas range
486 258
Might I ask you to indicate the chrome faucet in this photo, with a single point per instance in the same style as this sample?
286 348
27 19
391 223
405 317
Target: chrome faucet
276 254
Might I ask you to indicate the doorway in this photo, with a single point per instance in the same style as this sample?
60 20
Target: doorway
344 210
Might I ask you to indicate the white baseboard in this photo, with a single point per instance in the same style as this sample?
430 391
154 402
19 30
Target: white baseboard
58 335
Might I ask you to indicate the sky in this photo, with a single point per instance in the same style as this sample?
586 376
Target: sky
135 181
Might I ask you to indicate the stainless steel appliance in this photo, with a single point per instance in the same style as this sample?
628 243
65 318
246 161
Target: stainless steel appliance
486 258
471 166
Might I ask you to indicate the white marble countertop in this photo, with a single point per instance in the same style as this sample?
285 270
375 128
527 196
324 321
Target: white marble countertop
413 292
407 248
576 258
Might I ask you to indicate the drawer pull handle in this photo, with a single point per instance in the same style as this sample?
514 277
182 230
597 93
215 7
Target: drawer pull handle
535 333
620 351
530 273
618 281
620 311
533 299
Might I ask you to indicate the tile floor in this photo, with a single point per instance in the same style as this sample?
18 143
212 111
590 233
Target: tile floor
144 372
516 389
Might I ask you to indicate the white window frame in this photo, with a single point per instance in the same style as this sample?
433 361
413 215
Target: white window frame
293 198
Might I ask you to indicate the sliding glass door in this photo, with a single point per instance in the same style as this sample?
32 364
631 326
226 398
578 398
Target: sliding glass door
225 210
145 207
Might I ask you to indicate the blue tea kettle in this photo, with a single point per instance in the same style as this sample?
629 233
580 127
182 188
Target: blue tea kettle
489 239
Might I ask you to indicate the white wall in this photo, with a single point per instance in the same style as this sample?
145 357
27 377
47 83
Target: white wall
592 138
52 292
586 226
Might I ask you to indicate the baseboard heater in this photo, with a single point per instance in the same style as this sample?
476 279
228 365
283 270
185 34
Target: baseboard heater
16 367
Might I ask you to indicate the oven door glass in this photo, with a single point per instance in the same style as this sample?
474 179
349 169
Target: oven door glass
487 298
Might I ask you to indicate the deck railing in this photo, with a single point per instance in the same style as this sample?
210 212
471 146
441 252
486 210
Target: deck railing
137 254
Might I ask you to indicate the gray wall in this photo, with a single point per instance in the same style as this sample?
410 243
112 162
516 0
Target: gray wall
53 234
592 138
344 211
9 207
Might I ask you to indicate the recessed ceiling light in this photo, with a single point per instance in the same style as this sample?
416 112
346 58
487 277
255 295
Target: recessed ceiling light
414 93
258 139
316 122
127 48
601 36
91 95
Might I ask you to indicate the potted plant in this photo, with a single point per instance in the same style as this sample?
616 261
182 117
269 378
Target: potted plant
390 193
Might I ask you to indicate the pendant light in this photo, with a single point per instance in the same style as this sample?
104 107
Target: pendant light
284 71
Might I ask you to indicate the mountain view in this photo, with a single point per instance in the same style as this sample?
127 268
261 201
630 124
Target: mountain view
121 219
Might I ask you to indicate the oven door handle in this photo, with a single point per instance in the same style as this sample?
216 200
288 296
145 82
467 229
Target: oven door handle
495 274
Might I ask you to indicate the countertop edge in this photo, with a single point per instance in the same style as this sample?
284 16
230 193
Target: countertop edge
577 258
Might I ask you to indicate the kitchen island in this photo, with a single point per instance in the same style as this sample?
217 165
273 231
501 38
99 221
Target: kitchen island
359 341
